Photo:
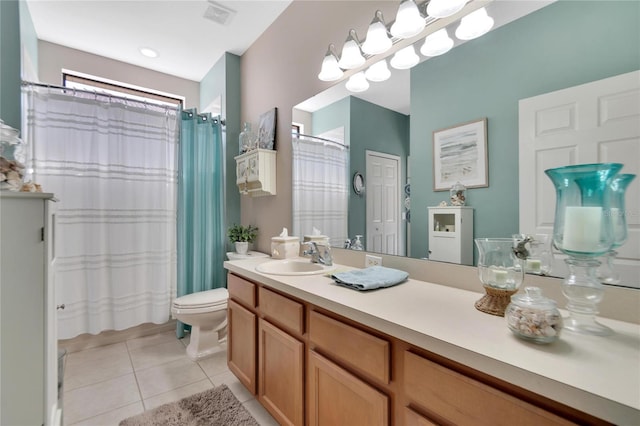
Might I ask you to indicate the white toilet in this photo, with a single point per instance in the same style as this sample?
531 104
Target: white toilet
206 313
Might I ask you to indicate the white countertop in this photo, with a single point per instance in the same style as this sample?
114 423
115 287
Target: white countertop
596 375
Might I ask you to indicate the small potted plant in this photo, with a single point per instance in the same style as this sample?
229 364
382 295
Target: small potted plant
241 236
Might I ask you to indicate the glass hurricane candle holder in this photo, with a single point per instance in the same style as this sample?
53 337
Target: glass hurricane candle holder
607 272
539 256
501 273
582 230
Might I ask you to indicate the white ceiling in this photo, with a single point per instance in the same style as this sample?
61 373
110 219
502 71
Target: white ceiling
187 43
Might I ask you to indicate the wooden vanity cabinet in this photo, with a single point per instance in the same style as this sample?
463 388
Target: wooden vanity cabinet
242 331
316 367
281 353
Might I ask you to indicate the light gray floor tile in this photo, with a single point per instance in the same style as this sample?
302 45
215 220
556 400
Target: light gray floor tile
165 377
99 398
238 389
177 394
96 365
150 356
215 364
112 418
152 340
259 413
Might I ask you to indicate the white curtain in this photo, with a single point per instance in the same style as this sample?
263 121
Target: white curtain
111 163
320 188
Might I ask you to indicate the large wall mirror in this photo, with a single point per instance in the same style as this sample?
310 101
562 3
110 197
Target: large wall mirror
535 48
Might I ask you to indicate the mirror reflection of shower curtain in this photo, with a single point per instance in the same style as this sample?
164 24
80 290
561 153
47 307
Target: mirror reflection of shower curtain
112 164
320 188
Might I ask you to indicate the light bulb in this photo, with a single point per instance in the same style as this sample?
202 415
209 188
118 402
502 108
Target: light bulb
378 40
351 56
357 83
444 8
408 22
405 58
437 43
330 70
378 71
474 25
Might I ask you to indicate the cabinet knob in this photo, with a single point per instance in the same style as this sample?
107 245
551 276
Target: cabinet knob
60 307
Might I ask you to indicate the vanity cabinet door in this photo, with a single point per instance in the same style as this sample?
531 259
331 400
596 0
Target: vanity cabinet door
241 345
337 397
281 374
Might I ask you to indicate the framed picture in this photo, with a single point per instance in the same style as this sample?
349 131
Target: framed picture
460 155
267 130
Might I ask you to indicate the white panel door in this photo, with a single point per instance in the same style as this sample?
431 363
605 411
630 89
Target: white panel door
383 203
597 122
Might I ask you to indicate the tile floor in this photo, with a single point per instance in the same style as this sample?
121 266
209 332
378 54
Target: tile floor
107 384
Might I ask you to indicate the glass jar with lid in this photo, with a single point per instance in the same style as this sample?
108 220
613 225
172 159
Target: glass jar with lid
12 158
457 193
248 140
533 317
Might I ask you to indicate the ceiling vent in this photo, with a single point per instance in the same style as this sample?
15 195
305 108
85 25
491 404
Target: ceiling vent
218 13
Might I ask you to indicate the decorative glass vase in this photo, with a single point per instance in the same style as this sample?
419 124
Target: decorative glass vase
607 273
582 230
500 271
457 194
248 141
539 256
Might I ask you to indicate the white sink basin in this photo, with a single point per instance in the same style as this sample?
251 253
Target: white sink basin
292 267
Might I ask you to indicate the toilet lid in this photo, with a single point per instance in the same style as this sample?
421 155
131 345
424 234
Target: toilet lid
203 299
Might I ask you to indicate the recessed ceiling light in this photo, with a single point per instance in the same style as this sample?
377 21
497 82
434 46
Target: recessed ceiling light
148 52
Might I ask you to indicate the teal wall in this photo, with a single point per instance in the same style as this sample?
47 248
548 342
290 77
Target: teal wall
562 45
223 80
10 111
29 43
381 130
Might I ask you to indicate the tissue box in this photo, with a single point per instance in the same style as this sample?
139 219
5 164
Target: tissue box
285 247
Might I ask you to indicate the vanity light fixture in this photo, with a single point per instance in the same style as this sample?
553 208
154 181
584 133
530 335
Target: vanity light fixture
411 19
377 40
409 22
444 8
378 72
148 52
351 55
357 83
474 25
437 43
405 58
330 69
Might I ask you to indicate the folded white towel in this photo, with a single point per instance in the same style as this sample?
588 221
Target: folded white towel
370 278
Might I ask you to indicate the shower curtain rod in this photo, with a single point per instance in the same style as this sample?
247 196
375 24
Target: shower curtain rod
323 140
94 92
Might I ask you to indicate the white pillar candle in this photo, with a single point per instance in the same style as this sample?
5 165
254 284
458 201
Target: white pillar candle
582 228
533 265
499 275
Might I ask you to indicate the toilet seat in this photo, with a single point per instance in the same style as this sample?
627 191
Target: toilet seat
209 300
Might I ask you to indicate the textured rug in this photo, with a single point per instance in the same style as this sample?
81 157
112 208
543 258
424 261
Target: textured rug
213 407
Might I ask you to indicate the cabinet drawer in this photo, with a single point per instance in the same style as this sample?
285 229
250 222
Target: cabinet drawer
462 400
242 290
362 351
282 310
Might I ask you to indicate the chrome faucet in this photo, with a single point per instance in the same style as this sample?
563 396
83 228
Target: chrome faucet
319 256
